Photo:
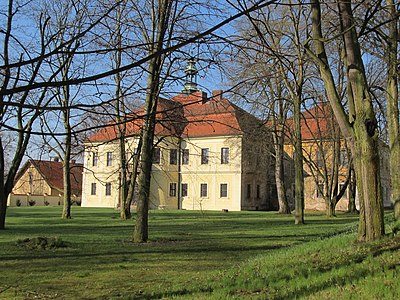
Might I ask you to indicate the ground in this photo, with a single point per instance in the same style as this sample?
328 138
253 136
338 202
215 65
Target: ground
191 255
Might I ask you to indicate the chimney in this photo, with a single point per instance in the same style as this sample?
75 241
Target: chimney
204 97
73 161
55 158
217 95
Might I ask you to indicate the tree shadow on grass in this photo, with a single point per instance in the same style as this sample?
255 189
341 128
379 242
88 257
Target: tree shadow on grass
335 280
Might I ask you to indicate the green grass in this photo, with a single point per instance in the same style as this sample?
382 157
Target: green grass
191 255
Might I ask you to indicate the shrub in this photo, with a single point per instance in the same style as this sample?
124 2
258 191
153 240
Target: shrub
31 202
46 203
18 202
43 243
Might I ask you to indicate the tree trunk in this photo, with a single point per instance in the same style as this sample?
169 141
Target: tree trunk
279 176
3 207
393 107
352 192
330 207
132 181
299 179
366 155
160 23
123 184
140 234
362 133
66 214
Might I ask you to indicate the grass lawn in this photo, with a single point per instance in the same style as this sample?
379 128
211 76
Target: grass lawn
190 255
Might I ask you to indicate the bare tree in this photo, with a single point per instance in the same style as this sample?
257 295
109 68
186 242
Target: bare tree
359 126
17 119
67 20
291 66
161 21
24 94
392 91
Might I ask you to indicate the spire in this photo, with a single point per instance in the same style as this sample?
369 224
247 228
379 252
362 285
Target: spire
191 77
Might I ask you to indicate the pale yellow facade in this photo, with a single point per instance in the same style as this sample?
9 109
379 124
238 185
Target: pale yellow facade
32 188
213 174
313 199
32 182
239 182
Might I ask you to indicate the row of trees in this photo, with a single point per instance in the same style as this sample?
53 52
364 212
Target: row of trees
300 56
63 62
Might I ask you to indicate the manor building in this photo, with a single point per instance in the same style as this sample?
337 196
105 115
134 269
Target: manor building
209 154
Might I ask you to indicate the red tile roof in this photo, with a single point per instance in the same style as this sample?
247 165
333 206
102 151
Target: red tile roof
187 115
52 172
169 122
316 123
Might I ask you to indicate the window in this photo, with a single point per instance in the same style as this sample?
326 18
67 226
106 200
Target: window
93 189
320 190
224 155
258 191
156 156
185 156
248 190
135 151
223 190
108 189
320 159
109 159
341 186
204 156
95 158
173 156
184 188
203 190
172 189
343 158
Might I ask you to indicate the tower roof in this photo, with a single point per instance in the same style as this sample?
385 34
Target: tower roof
191 77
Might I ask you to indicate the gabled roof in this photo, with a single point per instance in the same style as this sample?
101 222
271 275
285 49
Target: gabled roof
169 122
52 173
316 123
192 115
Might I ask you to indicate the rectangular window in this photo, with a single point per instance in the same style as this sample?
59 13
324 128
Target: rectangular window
172 189
185 156
320 159
248 190
157 156
224 155
343 158
173 156
95 158
258 191
223 190
109 159
93 189
203 190
135 151
341 187
108 189
184 189
204 156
